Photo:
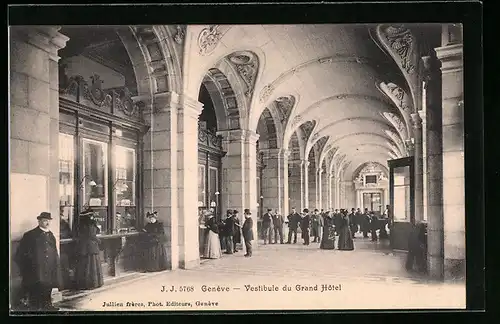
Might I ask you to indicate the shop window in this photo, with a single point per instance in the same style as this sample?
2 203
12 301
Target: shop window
124 189
94 181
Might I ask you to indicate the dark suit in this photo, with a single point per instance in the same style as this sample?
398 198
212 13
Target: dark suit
38 261
247 230
278 227
305 224
266 227
229 230
293 224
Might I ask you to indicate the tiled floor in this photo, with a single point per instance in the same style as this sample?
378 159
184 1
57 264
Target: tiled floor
370 277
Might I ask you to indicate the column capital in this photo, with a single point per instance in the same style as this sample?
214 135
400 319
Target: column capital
319 171
159 102
190 106
285 152
450 57
305 163
416 120
239 135
46 38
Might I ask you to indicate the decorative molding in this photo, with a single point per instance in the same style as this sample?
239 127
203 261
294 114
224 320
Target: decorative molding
402 43
397 95
396 139
109 99
247 65
314 137
410 146
180 34
265 93
209 39
285 107
397 123
416 120
395 150
296 120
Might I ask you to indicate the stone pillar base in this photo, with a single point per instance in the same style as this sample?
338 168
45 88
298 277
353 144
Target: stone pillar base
191 264
435 267
454 269
56 295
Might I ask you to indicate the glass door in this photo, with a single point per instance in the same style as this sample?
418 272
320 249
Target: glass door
373 201
401 201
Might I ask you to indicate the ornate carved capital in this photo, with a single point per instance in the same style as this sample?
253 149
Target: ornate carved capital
410 146
423 116
209 39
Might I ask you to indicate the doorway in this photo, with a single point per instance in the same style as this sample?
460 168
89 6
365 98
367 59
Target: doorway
373 202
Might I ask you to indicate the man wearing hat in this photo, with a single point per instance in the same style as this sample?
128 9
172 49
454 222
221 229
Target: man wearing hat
38 262
247 230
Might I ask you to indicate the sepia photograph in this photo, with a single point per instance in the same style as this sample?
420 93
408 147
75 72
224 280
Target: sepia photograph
236 167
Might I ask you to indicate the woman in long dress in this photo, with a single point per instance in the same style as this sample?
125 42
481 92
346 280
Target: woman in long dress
328 238
155 256
88 272
212 247
345 236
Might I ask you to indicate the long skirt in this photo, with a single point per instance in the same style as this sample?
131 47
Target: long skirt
88 272
155 258
328 240
345 239
212 247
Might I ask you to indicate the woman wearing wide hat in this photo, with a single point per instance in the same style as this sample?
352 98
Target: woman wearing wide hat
212 247
328 238
154 255
88 272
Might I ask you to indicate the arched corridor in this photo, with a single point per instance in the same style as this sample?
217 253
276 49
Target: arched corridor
194 121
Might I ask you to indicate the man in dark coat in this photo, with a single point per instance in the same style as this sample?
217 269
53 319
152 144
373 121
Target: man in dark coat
278 226
236 230
365 225
293 224
247 230
266 226
305 225
38 262
229 233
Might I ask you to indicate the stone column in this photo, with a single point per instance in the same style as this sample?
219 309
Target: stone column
187 177
451 57
319 188
330 190
336 193
159 159
305 183
423 118
312 185
325 198
239 172
274 180
418 164
295 185
34 131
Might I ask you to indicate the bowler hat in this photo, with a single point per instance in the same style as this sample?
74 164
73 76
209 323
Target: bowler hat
152 214
235 211
247 211
44 215
87 212
306 210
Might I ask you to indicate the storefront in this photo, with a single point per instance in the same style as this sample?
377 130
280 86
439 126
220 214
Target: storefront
100 155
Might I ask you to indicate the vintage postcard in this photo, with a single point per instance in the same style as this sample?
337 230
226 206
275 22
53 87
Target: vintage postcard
237 167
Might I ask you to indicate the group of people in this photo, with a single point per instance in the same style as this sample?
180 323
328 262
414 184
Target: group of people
39 262
319 224
227 234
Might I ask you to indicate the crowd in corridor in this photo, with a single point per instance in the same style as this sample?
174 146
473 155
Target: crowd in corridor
332 229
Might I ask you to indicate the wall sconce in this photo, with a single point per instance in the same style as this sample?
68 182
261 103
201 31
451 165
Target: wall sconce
91 183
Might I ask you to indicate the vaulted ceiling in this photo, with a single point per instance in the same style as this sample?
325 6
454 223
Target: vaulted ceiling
332 73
